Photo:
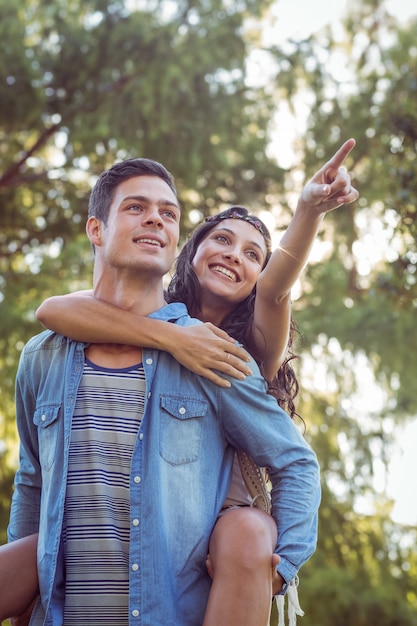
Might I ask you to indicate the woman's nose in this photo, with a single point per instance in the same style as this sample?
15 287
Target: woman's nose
234 256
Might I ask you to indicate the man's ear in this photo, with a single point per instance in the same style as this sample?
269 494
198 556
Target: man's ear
94 228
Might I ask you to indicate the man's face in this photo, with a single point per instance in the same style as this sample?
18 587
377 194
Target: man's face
142 230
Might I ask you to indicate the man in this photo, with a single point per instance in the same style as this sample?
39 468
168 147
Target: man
126 456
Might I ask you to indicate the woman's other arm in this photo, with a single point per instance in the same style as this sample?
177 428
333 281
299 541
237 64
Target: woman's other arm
329 188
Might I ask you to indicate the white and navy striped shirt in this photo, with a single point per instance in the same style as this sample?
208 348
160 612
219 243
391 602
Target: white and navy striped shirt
105 425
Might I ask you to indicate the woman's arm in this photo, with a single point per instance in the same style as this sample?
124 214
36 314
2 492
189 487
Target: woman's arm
18 576
329 188
200 348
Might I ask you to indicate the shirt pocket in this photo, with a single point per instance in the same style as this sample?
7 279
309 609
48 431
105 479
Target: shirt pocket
46 419
181 429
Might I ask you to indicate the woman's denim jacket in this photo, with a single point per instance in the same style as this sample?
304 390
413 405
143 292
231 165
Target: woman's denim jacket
181 469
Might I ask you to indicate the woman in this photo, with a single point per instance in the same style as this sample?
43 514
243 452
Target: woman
226 275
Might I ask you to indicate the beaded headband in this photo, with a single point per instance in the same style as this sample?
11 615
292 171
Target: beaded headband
241 213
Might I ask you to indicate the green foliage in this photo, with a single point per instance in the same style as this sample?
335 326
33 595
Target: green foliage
85 83
372 98
364 569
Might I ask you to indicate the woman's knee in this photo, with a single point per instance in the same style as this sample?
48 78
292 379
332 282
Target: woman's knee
245 536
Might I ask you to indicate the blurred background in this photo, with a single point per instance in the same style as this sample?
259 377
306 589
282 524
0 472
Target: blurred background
243 100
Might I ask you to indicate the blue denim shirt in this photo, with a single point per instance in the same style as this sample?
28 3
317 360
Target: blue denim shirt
181 470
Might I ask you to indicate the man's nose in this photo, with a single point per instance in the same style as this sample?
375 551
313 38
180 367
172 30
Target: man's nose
152 216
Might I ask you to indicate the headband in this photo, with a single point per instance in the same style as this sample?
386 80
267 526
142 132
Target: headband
241 213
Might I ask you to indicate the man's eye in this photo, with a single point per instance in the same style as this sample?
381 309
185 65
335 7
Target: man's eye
170 214
135 207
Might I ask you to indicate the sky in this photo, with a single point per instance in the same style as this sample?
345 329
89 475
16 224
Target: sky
401 483
297 20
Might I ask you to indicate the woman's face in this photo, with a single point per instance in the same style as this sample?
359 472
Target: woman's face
228 263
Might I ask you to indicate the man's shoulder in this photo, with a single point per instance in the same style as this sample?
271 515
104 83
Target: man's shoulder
46 340
39 339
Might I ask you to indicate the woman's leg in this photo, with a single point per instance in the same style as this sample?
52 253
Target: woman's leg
18 576
241 564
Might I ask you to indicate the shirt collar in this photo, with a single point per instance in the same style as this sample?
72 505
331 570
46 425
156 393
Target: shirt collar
170 312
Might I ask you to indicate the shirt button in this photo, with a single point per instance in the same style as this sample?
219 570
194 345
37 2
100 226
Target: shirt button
43 418
135 613
149 361
135 567
137 479
182 410
135 522
141 436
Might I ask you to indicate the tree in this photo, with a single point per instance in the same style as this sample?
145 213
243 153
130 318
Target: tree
371 309
87 83
357 313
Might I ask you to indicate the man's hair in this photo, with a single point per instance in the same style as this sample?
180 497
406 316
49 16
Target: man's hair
103 191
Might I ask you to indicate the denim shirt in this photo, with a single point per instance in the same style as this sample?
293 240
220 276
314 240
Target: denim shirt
181 471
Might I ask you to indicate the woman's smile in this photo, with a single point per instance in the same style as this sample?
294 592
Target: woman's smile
221 269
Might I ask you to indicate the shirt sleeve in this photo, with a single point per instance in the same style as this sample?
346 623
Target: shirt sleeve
25 508
253 422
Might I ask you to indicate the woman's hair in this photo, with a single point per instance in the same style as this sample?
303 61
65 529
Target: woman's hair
185 287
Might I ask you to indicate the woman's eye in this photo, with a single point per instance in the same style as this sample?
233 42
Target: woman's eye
253 255
222 238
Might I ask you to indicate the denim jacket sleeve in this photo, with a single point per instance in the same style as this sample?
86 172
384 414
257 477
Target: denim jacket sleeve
254 423
45 390
25 511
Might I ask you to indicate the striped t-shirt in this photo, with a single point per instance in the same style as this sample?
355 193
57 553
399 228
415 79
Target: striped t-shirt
106 421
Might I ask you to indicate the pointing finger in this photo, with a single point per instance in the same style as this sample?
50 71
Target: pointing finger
340 155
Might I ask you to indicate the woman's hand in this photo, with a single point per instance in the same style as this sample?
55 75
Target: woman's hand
277 580
203 348
331 186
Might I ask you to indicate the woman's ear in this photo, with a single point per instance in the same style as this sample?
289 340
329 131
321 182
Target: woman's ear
94 229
